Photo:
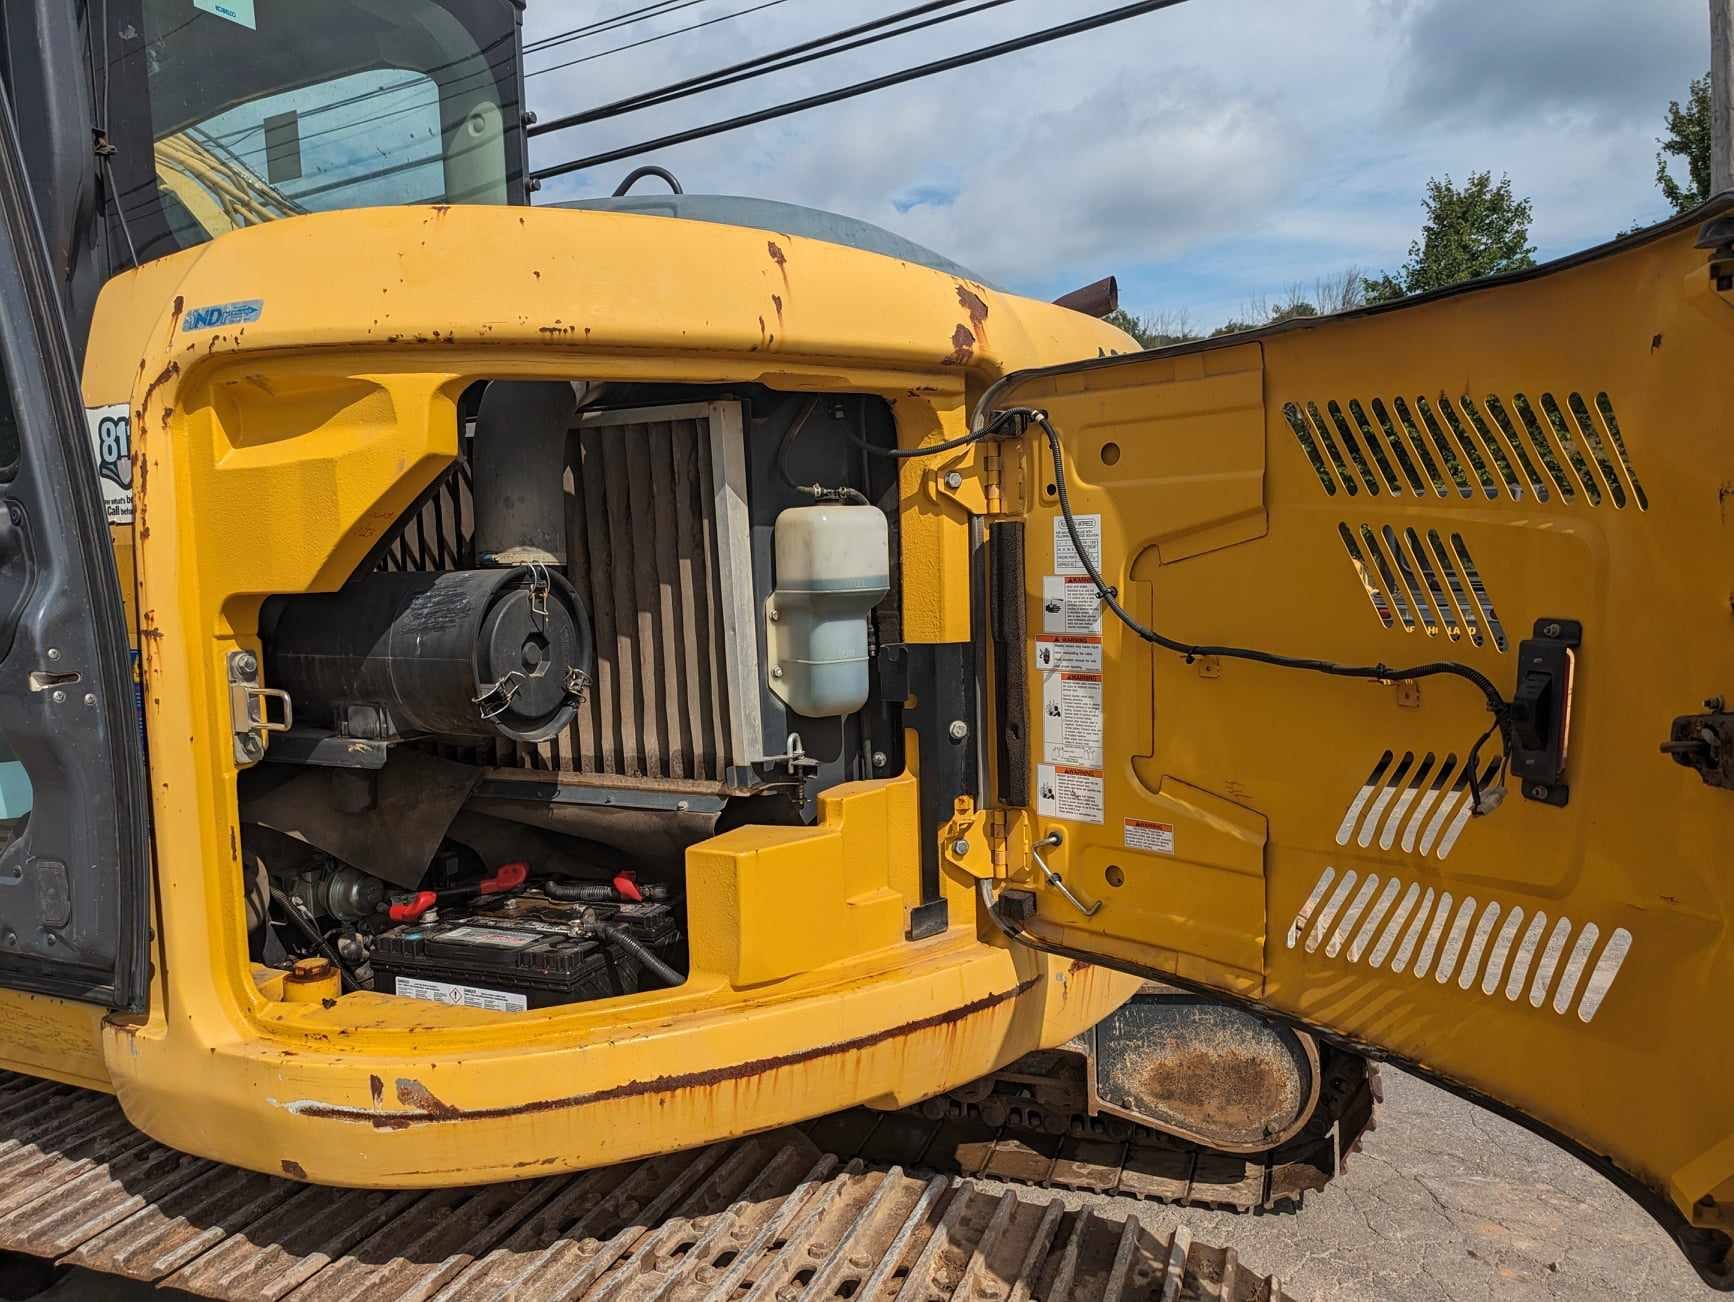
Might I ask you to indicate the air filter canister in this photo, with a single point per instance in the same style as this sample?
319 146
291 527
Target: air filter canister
463 653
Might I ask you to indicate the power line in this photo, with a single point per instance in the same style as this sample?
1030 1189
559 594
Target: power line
491 63
964 60
626 19
765 64
661 36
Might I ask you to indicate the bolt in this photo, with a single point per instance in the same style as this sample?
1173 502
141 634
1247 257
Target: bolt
953 480
958 730
881 760
1537 791
51 939
681 806
90 698
776 671
773 615
1715 705
246 664
251 746
59 697
960 847
54 653
1551 630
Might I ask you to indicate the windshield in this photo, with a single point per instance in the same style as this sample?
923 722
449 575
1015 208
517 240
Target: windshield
259 109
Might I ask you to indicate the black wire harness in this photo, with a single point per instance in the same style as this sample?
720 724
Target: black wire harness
1016 420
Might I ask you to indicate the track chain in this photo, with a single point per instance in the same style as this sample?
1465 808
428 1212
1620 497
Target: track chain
1140 1164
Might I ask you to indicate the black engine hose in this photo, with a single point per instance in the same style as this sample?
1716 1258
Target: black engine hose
310 929
620 936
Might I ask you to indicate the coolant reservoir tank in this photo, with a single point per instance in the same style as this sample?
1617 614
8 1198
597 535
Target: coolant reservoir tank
833 567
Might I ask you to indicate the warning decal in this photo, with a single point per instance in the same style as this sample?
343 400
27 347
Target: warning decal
444 992
1074 654
1066 559
1153 838
1063 792
1072 719
1070 604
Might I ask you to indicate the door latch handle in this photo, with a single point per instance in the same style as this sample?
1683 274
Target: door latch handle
250 708
1048 842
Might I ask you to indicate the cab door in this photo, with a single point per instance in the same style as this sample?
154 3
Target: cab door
1532 480
72 802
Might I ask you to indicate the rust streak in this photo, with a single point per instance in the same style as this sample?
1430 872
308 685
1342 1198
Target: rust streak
782 261
413 1094
294 1170
377 1088
163 377
175 312
430 1109
777 302
972 303
962 347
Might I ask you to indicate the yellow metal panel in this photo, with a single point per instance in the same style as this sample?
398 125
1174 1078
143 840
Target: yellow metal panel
1553 448
52 1037
271 456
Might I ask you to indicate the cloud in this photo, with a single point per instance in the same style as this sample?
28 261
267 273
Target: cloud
1205 154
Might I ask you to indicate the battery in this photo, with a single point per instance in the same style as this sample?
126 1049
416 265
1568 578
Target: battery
525 953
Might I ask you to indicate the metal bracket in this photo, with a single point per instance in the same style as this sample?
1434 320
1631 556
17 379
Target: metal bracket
1705 742
1541 709
496 697
1051 841
250 708
541 586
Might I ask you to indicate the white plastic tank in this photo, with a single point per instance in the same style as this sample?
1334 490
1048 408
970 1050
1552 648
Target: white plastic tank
833 565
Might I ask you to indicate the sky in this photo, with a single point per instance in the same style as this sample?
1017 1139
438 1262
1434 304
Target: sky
1209 155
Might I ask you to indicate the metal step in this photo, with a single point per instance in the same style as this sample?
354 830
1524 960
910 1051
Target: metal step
767 1217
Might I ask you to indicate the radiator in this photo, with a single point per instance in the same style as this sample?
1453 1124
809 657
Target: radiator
659 547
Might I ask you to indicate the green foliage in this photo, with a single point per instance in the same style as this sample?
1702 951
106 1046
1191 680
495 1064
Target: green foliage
1289 311
1480 229
1688 138
1154 330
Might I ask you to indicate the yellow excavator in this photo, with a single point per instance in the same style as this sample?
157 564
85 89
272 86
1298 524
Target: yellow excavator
535 690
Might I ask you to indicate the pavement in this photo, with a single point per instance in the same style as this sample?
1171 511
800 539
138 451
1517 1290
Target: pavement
1450 1203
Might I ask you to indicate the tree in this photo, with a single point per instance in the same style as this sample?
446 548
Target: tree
1478 230
1689 138
1156 329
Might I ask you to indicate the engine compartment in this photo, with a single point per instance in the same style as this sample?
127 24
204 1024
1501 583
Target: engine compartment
627 618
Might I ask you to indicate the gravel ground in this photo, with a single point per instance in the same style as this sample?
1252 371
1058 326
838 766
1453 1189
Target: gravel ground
1449 1203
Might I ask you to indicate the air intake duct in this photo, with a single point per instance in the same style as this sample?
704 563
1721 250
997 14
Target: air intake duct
463 653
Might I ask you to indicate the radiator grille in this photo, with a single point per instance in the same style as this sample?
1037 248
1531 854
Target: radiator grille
659 549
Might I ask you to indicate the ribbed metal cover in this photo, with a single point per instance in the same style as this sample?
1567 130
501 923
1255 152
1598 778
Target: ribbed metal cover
659 547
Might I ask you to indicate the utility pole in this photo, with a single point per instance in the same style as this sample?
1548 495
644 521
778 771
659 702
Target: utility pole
1721 96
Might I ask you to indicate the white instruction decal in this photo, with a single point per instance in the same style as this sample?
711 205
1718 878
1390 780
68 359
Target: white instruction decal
441 992
1066 559
1062 792
1070 604
1153 838
1081 655
236 11
1072 719
111 441
490 936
